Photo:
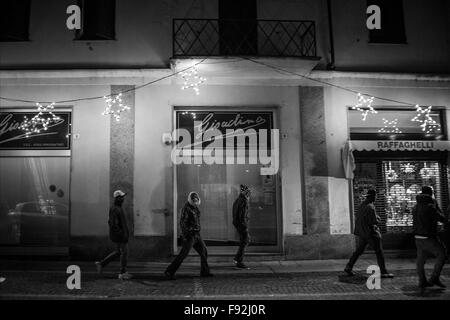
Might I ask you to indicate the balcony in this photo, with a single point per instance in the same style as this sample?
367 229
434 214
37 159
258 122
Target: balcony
260 38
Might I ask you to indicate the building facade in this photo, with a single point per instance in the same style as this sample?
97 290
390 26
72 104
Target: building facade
278 66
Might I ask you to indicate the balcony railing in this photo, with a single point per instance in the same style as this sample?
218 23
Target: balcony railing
268 38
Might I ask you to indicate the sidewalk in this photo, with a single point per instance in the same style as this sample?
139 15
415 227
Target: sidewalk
315 279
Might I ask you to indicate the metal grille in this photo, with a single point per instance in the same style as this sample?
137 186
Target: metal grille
397 183
281 38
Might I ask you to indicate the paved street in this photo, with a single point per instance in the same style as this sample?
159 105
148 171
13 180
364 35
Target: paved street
266 280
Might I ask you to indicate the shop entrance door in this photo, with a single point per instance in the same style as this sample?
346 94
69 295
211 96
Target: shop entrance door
218 186
398 181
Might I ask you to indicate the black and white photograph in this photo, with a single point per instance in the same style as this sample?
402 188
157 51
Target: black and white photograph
224 157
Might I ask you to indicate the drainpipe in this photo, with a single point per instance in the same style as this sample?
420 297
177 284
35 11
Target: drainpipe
330 65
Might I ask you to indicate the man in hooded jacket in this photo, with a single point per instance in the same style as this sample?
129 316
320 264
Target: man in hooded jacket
426 216
367 231
240 222
190 233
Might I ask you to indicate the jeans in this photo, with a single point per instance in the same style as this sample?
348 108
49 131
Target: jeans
122 251
377 246
425 247
244 240
193 241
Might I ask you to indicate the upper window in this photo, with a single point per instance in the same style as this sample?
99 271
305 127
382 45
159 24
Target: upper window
98 20
391 124
14 20
392 22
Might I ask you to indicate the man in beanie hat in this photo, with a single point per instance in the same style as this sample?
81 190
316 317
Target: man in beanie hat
426 216
367 231
190 232
240 222
119 234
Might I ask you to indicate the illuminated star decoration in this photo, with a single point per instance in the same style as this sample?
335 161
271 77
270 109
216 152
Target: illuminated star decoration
390 126
114 106
428 125
192 80
408 168
364 105
391 175
41 121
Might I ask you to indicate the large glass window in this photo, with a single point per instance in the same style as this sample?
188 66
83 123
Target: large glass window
34 201
218 184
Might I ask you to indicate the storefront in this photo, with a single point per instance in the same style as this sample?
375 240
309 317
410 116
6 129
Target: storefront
35 182
398 158
238 145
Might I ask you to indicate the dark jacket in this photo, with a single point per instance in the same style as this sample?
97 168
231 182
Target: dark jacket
118 228
367 220
426 216
189 220
240 212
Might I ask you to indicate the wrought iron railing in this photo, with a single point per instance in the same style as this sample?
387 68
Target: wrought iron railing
216 37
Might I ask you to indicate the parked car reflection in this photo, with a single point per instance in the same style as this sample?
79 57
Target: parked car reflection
38 223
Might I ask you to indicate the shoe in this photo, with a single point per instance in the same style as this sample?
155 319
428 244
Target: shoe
349 271
125 276
2 279
437 282
425 285
241 265
205 275
99 267
169 276
387 275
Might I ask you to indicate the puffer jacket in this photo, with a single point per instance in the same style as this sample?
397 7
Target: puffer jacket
189 220
118 227
240 212
426 216
367 220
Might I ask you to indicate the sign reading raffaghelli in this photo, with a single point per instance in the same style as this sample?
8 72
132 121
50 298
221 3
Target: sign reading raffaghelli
12 137
225 137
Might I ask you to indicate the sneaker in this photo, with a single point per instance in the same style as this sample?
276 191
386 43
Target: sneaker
437 282
169 275
99 267
349 271
2 279
125 276
387 275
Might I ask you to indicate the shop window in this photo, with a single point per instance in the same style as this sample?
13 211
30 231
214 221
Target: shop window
98 20
390 124
398 182
392 22
14 20
218 183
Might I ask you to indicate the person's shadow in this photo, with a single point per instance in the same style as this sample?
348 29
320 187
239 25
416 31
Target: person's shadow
414 291
357 279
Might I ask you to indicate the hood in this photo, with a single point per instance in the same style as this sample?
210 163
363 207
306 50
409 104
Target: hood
424 198
191 194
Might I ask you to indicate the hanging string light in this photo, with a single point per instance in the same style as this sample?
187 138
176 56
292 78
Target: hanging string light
364 105
41 121
428 124
390 126
192 80
114 106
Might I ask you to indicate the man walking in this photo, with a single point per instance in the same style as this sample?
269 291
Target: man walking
367 231
119 234
425 219
190 232
240 222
